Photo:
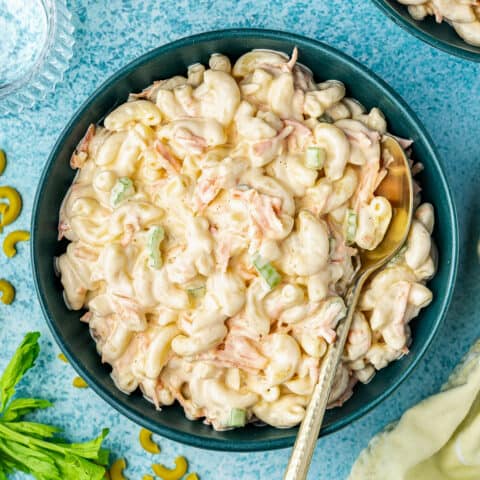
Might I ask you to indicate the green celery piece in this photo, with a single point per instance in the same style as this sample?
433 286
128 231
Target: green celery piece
22 360
351 219
89 449
267 271
121 191
196 292
38 463
77 468
156 234
29 446
103 457
19 407
38 430
315 157
238 417
7 465
3 470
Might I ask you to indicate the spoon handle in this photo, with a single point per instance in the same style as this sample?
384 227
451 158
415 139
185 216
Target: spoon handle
307 436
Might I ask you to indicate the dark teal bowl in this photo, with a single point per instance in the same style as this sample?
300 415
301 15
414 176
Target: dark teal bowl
173 59
439 35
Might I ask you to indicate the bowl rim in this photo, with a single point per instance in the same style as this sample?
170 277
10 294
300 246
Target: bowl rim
410 25
190 438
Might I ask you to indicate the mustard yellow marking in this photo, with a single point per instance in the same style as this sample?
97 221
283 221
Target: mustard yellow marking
7 290
176 473
117 468
11 240
62 357
79 382
3 161
145 437
14 208
192 476
147 477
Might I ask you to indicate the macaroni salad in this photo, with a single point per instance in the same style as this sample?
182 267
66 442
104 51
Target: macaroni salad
463 15
214 224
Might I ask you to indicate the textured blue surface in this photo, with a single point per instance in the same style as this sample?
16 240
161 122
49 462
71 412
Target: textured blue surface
443 90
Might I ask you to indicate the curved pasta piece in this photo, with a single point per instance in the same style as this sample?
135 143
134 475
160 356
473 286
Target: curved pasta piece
455 11
373 222
168 294
359 338
123 116
470 32
418 245
193 135
291 171
218 96
306 250
284 354
228 290
269 186
364 142
286 412
157 354
337 149
324 97
257 321
258 58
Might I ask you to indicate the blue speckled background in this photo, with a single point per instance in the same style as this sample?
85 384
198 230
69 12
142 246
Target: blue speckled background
443 90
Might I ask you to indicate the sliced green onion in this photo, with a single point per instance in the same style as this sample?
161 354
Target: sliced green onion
156 235
238 417
350 225
243 187
267 271
315 158
122 190
196 292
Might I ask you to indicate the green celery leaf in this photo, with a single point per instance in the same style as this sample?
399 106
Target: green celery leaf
19 407
3 470
32 447
7 463
34 429
40 464
77 468
91 449
22 360
103 457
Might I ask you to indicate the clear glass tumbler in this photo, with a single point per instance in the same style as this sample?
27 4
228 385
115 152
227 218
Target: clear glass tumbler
35 49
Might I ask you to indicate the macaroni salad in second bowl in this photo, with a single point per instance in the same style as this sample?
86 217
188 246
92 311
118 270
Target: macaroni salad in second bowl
214 224
463 15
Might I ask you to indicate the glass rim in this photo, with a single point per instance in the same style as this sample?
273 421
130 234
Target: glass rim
49 66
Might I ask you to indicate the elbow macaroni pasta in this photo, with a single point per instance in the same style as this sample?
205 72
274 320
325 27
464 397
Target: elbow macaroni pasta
463 15
213 259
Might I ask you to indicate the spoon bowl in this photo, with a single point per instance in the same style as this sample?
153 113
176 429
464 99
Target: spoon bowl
397 188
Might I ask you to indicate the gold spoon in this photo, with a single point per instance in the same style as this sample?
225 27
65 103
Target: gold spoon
397 187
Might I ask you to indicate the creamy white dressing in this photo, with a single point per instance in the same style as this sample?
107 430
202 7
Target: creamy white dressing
213 259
